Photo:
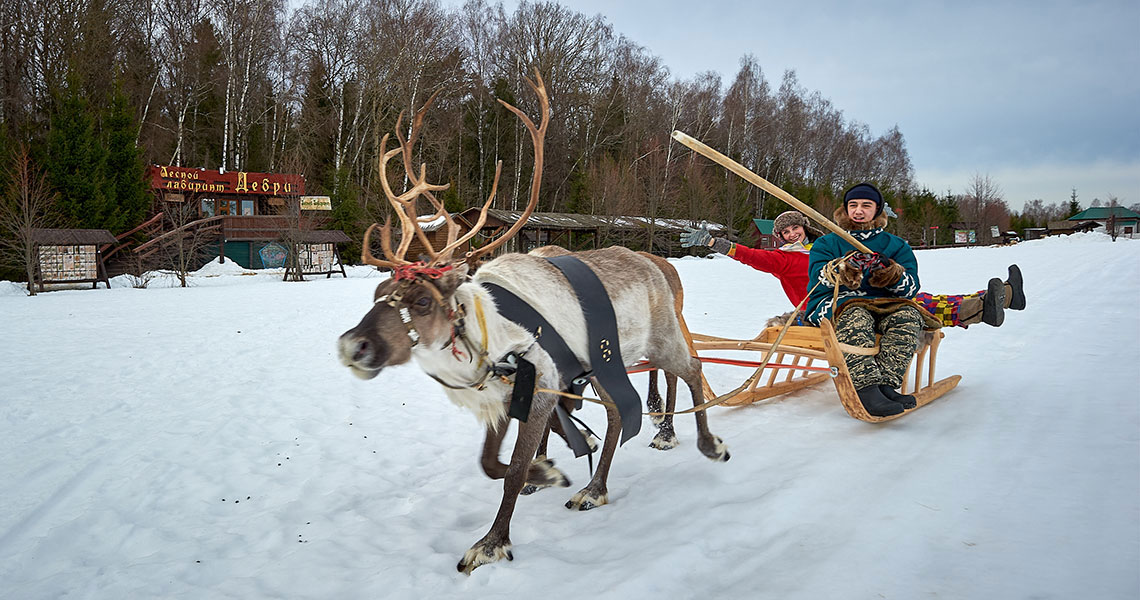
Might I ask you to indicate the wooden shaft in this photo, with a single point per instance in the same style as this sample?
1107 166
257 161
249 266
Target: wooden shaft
758 181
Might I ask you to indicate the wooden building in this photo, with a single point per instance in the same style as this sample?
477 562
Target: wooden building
583 232
1126 222
763 234
237 215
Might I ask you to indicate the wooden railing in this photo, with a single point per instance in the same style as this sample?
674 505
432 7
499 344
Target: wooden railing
268 227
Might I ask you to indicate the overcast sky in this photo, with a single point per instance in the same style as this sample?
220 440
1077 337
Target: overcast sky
1041 96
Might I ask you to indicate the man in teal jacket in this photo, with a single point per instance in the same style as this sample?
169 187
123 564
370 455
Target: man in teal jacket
874 292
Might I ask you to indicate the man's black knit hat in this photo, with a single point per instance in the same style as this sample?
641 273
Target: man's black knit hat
861 191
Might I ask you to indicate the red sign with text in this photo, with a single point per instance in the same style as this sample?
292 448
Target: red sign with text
208 181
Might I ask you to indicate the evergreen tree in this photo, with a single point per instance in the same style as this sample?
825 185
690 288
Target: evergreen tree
1074 206
75 162
127 195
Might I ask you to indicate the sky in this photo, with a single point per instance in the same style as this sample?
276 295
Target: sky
1039 96
204 442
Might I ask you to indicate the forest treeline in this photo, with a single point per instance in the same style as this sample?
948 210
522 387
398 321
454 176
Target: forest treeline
96 89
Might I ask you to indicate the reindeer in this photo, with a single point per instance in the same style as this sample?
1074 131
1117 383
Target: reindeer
448 322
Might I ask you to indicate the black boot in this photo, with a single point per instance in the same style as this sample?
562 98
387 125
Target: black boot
1016 291
993 305
876 403
906 400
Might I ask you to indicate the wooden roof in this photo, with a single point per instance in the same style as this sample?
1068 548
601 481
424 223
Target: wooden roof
1073 226
573 221
72 237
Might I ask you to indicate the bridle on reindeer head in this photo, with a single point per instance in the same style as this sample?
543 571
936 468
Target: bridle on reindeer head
426 273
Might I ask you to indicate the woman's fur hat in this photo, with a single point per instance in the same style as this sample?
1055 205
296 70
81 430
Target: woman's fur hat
794 217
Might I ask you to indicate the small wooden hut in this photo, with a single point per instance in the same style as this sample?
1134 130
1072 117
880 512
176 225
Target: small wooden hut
70 256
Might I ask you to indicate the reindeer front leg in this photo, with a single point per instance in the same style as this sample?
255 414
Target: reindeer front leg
542 472
496 544
596 493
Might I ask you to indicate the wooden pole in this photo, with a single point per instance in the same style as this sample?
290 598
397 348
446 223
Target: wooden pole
758 181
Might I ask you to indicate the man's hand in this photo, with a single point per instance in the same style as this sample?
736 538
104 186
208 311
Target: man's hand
848 274
868 262
696 237
886 275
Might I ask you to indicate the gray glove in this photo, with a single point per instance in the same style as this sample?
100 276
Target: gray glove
695 237
721 245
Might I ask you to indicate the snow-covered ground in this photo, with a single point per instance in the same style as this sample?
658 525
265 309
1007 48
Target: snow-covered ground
205 443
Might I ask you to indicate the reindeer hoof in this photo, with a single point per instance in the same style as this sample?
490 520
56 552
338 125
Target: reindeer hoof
591 441
484 553
584 500
714 448
664 441
543 474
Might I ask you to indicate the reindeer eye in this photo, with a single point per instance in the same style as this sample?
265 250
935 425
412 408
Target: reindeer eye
423 302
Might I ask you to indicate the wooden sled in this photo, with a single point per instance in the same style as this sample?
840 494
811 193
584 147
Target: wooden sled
809 349
923 395
799 362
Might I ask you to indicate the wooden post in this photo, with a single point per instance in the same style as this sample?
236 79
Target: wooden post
758 181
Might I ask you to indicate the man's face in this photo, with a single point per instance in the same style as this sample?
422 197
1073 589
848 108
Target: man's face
792 233
861 210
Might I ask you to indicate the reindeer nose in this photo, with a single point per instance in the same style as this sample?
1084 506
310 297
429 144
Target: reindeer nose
363 349
353 348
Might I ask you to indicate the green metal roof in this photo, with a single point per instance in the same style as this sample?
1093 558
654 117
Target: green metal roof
1103 212
764 225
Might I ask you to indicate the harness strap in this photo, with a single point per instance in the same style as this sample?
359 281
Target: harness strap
514 308
605 352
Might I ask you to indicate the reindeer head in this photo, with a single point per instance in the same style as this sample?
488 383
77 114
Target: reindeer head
416 306
413 307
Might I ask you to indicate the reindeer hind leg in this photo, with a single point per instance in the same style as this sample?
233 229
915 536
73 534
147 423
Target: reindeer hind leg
666 438
688 368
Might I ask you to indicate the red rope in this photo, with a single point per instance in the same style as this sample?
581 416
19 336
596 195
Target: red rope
417 269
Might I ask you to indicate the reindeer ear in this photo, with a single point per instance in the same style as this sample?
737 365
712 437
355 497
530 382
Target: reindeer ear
452 279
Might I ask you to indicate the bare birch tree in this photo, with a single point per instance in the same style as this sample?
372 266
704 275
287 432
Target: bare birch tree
25 206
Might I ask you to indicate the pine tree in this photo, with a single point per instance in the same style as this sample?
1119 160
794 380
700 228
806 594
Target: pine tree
1074 206
75 162
127 195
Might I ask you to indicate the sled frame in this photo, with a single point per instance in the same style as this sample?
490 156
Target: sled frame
814 347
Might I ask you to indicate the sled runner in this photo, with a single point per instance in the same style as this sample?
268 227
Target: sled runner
808 356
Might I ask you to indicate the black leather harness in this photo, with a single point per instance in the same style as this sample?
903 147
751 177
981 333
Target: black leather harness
604 349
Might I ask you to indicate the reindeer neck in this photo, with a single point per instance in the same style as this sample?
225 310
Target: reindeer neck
479 337
501 334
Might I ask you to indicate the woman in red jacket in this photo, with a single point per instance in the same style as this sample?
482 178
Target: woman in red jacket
789 264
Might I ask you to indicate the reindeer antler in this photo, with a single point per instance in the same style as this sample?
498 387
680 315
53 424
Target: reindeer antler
538 137
404 204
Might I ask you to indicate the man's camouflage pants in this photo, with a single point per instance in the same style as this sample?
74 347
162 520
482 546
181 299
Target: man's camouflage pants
899 330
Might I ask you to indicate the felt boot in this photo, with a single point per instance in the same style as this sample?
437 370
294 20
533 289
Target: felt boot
993 304
906 400
876 403
1014 289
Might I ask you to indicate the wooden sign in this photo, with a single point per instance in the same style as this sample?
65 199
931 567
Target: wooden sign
211 181
316 203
